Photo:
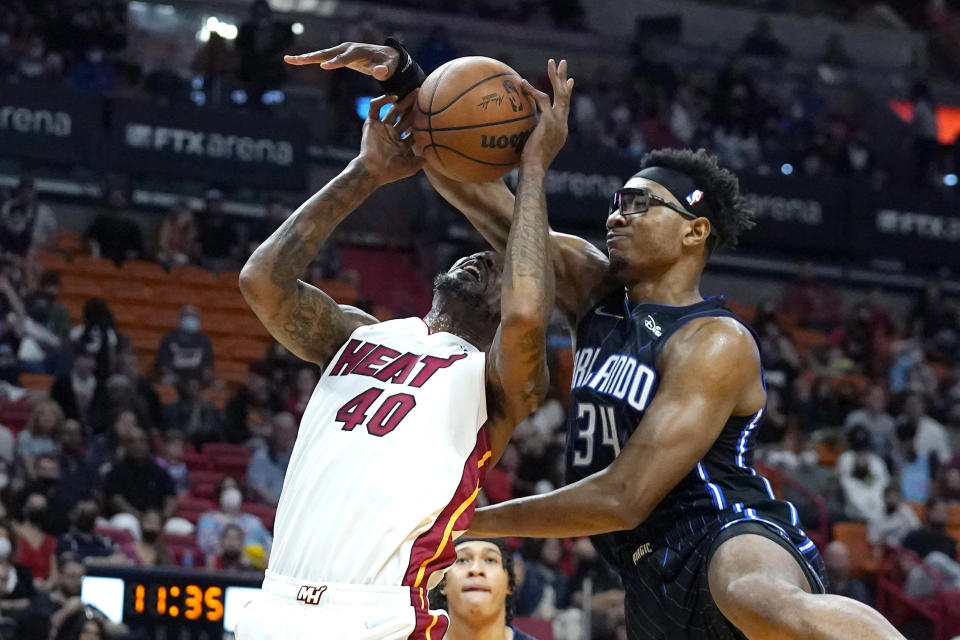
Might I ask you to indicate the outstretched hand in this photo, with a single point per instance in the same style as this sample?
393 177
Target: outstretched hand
383 151
550 134
379 61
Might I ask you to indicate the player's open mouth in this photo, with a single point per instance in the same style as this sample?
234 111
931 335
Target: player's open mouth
473 270
476 588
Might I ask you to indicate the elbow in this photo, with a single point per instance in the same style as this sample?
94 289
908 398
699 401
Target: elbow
627 508
251 282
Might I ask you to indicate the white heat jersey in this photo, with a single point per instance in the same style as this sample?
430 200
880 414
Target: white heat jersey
388 460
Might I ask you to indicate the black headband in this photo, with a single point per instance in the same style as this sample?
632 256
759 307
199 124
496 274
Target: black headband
681 186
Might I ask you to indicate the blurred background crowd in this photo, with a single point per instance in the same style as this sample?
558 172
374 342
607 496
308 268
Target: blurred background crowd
146 418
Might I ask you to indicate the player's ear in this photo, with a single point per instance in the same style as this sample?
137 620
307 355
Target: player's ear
697 232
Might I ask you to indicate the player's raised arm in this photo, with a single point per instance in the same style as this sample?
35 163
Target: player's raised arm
517 361
301 317
709 372
580 267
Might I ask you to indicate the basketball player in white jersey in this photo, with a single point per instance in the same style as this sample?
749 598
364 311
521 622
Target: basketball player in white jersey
408 413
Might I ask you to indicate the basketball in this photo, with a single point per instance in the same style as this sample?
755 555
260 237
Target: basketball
472 118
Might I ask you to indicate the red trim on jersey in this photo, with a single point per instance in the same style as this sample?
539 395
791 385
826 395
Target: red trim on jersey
429 625
433 549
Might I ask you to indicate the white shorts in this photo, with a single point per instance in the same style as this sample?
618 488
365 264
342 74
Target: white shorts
288 609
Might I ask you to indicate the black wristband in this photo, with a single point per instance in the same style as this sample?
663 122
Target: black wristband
408 75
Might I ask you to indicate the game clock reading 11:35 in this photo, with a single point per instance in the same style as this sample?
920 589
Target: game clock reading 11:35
178 601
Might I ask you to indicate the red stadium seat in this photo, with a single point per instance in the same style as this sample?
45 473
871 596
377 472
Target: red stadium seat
191 507
235 466
196 461
229 449
203 483
193 276
91 266
144 271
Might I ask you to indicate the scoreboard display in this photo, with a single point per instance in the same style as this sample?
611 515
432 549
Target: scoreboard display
169 604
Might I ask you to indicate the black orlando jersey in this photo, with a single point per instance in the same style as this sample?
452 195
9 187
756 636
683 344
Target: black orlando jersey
615 378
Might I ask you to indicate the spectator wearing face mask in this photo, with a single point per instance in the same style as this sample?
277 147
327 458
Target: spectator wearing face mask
185 352
89 546
16 581
897 521
230 555
211 524
36 549
74 391
863 477
60 612
151 552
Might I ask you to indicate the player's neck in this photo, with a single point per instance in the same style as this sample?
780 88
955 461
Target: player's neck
496 630
438 321
673 287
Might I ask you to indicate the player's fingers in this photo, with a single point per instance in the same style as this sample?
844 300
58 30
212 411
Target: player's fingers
376 104
542 99
392 115
316 56
380 72
405 105
562 70
562 93
406 122
338 61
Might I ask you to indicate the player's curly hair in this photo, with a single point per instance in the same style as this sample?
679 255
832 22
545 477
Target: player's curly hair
438 599
730 214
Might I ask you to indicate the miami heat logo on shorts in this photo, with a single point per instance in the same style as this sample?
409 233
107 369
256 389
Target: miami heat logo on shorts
310 595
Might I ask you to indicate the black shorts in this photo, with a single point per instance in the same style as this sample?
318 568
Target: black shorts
667 592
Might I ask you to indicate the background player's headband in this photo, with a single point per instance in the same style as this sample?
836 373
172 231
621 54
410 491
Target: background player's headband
682 187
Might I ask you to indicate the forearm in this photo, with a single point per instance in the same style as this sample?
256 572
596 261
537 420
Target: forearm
528 279
277 263
585 508
487 205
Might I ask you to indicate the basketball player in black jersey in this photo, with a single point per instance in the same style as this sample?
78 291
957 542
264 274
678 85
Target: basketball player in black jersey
667 397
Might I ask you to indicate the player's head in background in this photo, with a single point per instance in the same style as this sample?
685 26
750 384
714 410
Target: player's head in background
478 591
672 214
468 295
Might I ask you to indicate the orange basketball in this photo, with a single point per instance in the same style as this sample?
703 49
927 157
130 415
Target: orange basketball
472 118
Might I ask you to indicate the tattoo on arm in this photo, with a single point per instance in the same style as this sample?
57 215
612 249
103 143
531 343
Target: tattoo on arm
298 239
528 244
532 347
301 317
